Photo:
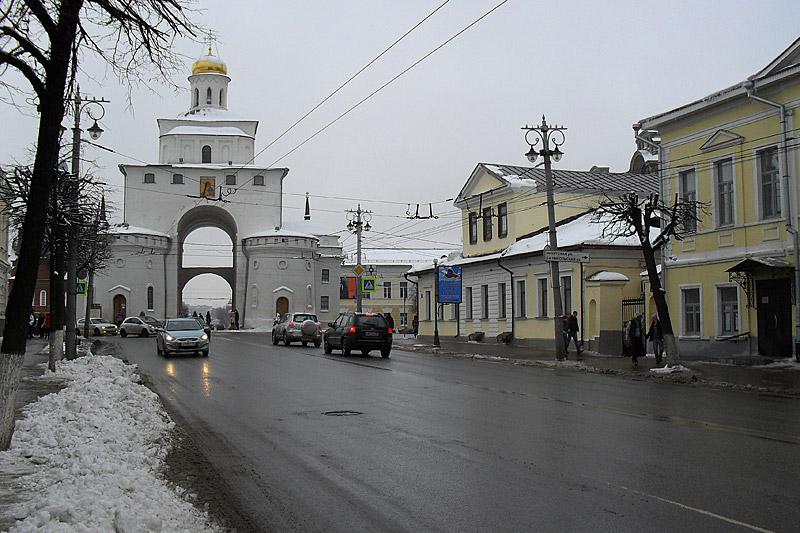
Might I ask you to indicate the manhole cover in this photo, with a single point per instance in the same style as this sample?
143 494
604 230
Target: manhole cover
342 413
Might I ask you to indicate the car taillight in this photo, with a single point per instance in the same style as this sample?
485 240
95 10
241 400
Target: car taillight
291 324
351 332
389 330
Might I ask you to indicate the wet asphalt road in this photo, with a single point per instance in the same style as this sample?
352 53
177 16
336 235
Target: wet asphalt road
448 444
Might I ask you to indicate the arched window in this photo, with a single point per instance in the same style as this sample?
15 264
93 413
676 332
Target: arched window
220 97
208 95
206 154
150 298
43 298
196 97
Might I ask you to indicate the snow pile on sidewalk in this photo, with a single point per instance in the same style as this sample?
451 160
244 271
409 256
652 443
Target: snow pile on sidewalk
784 364
95 450
670 369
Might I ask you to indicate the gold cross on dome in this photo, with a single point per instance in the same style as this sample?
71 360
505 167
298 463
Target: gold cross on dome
210 40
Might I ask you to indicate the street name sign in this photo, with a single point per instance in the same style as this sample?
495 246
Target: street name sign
566 257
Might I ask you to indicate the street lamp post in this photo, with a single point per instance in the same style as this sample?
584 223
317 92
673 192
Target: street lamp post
551 138
79 105
436 303
358 221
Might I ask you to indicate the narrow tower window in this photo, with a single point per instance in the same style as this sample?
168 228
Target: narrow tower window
196 97
220 97
208 95
206 154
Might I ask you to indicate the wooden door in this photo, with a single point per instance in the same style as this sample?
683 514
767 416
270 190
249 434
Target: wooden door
774 314
120 309
282 306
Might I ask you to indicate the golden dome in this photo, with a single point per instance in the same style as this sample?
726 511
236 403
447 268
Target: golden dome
209 63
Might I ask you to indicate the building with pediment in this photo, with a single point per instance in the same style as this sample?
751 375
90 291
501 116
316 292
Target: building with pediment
206 176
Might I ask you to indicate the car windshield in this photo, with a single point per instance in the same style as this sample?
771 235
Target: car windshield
184 324
151 320
96 321
303 318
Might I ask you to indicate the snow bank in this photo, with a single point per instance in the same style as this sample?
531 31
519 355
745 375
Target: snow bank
94 451
784 364
669 369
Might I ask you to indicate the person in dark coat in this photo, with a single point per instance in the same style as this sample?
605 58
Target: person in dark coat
415 325
48 324
40 325
389 320
656 336
635 338
572 332
208 318
236 318
31 324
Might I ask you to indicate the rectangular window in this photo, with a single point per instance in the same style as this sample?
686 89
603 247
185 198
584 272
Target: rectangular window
230 179
177 179
387 289
769 182
566 294
453 311
427 305
502 220
688 185
149 177
473 228
326 275
403 319
501 300
484 302
469 303
487 223
150 298
522 299
324 303
728 310
542 285
691 311
724 176
403 290
258 180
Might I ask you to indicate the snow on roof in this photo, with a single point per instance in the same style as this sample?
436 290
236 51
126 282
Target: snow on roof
519 177
127 229
313 228
644 273
280 232
417 257
606 275
208 130
514 181
210 114
648 156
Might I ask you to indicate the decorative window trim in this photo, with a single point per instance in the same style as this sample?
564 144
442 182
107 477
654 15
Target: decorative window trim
681 289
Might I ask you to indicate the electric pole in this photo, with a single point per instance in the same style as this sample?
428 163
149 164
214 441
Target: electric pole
550 136
358 221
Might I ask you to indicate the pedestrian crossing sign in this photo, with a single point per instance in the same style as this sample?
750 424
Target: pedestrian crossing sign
83 287
368 284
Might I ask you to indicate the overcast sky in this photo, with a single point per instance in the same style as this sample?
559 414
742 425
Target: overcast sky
595 67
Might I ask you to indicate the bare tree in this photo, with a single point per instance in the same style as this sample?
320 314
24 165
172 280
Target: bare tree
43 41
654 224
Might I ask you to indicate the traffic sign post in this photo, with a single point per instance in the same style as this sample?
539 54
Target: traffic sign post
566 257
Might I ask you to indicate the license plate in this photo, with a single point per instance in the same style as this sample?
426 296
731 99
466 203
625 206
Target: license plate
372 333
189 344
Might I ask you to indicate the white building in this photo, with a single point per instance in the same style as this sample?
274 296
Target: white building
206 177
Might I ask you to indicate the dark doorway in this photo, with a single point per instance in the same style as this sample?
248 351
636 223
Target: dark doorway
120 309
281 306
774 312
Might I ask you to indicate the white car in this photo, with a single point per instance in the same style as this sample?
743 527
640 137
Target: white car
98 326
139 325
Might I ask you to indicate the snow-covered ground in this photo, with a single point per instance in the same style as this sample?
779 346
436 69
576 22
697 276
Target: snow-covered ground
92 456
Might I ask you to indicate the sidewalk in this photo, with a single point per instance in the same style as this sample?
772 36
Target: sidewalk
781 376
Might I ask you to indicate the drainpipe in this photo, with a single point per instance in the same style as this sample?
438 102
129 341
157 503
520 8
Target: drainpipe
750 87
416 285
246 283
166 299
511 276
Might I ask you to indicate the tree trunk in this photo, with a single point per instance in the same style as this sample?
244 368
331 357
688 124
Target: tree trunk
659 297
57 263
87 317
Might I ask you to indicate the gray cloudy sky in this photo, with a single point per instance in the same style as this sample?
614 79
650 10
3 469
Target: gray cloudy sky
595 67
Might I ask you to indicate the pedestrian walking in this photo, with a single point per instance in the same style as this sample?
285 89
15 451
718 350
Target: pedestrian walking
31 324
40 325
194 314
565 333
415 325
208 318
236 318
634 336
48 325
572 332
656 336
389 320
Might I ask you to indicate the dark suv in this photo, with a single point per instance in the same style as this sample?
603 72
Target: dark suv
359 331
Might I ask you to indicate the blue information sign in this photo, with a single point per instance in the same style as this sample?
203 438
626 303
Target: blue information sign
449 286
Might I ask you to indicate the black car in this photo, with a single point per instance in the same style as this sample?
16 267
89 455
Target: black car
359 331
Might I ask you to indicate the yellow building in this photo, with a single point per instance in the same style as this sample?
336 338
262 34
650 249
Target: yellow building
729 283
506 284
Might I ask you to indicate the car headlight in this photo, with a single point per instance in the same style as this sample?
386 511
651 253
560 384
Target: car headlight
169 338
204 337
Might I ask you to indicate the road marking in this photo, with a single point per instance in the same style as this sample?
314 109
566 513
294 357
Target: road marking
695 509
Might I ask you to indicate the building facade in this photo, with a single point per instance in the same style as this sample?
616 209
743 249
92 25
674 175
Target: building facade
730 282
206 177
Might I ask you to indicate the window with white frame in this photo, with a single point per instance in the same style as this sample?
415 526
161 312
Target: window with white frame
542 286
487 223
177 179
469 303
150 298
566 294
521 299
42 298
149 177
427 305
205 154
484 302
501 300
453 311
258 180
230 179
326 275
403 290
691 311
688 185
769 182
723 171
387 289
324 303
728 310
502 220
473 228
403 319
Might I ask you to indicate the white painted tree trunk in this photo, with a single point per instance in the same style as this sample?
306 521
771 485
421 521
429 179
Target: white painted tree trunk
56 348
671 350
10 366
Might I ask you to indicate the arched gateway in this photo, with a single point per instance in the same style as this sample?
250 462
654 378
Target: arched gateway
202 153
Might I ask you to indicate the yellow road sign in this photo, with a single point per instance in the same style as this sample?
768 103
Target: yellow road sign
358 269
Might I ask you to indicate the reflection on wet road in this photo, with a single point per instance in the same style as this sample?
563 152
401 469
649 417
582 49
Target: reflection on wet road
434 443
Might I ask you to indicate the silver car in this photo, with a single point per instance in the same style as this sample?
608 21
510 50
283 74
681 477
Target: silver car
139 325
97 327
182 335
